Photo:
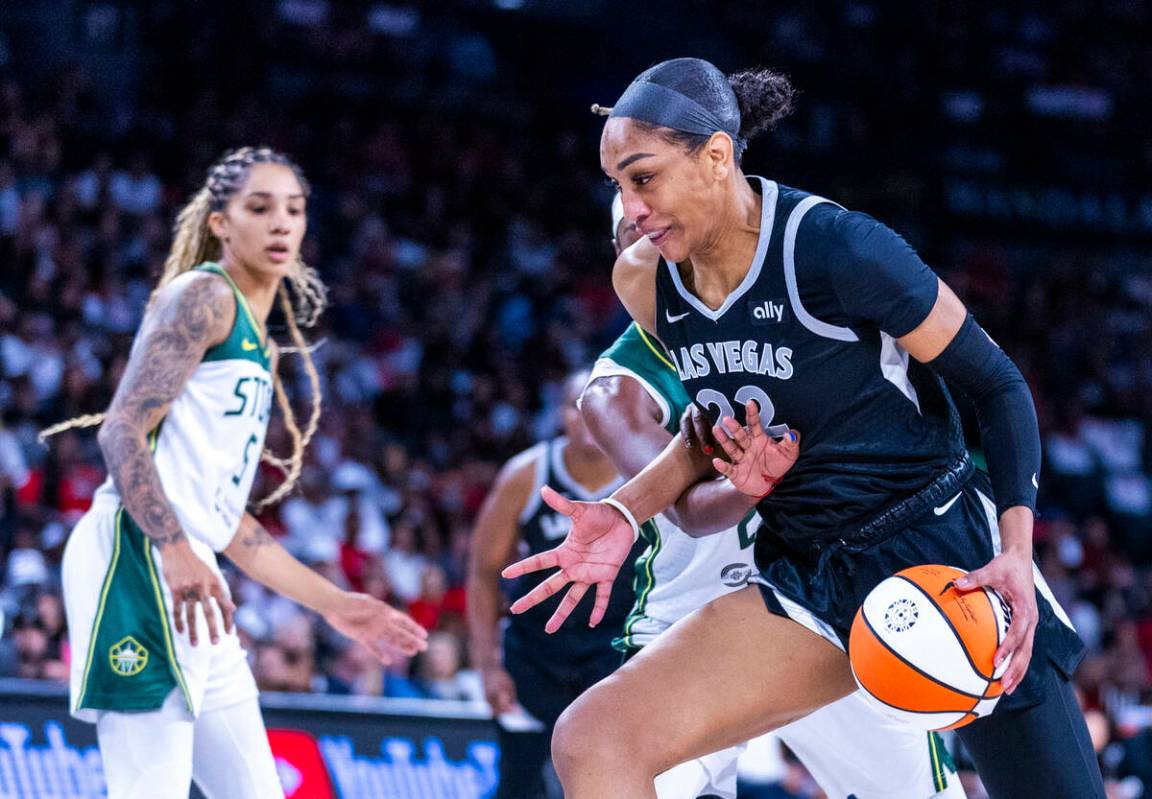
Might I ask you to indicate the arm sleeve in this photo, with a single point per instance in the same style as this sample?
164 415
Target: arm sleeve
876 276
1009 431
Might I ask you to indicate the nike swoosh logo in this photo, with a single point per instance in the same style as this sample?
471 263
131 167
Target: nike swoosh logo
248 346
1035 482
940 511
675 318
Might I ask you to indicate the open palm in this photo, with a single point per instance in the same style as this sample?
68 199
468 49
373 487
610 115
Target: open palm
756 461
592 554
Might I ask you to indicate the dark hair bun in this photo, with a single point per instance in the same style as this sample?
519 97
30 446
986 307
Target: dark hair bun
765 97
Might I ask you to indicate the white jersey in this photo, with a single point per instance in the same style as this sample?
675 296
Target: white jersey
678 574
208 446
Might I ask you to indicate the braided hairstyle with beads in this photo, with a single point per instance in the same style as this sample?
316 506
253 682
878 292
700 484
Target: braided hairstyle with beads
303 297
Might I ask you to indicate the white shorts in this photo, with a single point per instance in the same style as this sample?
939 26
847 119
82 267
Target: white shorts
713 774
157 754
850 749
113 584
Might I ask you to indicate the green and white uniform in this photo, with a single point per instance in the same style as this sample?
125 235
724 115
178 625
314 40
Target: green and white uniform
850 748
127 657
677 573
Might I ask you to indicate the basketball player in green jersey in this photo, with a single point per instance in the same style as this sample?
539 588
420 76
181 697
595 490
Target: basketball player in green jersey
182 440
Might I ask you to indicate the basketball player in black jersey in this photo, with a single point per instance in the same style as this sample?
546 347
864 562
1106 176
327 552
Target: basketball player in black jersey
531 676
783 308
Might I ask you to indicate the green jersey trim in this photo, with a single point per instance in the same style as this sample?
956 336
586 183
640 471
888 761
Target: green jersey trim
638 355
247 340
942 762
642 586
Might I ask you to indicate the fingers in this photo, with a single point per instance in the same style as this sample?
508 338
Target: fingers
559 503
1017 643
566 606
687 431
732 449
603 594
190 615
534 563
724 467
507 698
540 592
1017 646
381 651
224 602
752 417
789 446
974 579
178 612
700 429
417 634
408 635
210 617
737 432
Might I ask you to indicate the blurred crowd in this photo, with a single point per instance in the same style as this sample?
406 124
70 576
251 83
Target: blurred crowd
461 223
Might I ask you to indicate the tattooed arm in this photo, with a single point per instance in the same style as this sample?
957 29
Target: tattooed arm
378 626
191 314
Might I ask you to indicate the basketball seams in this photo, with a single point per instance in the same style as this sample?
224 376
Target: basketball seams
995 617
947 620
880 640
962 713
995 681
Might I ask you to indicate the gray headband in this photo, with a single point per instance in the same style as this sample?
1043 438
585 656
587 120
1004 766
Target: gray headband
658 105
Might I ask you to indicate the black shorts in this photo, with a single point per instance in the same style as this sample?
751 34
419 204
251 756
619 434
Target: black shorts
548 676
822 589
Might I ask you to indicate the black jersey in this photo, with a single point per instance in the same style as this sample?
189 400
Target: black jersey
541 529
810 334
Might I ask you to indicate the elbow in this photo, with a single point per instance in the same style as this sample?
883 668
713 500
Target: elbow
106 437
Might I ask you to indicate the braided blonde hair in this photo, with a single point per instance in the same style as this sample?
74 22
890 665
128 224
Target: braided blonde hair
193 243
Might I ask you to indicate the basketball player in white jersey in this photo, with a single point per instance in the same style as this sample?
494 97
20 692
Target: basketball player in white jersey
157 664
631 406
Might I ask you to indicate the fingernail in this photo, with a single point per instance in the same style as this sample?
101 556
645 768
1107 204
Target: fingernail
791 436
707 450
962 582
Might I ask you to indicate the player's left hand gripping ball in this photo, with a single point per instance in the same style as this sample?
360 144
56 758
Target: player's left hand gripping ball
1011 574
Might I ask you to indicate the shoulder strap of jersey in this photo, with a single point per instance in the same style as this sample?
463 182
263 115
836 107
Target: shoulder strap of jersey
640 356
539 456
247 339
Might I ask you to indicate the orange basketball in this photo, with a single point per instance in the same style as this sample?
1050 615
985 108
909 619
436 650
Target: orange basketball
923 651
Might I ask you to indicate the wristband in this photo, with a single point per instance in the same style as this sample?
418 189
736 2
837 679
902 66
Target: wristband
772 483
627 514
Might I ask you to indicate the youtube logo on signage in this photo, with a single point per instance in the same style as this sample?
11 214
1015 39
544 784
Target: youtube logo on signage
300 765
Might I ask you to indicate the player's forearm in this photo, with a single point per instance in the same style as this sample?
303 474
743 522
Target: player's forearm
485 607
1016 531
662 482
709 507
129 459
261 557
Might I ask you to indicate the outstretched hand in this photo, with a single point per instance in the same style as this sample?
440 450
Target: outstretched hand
592 554
383 630
756 461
